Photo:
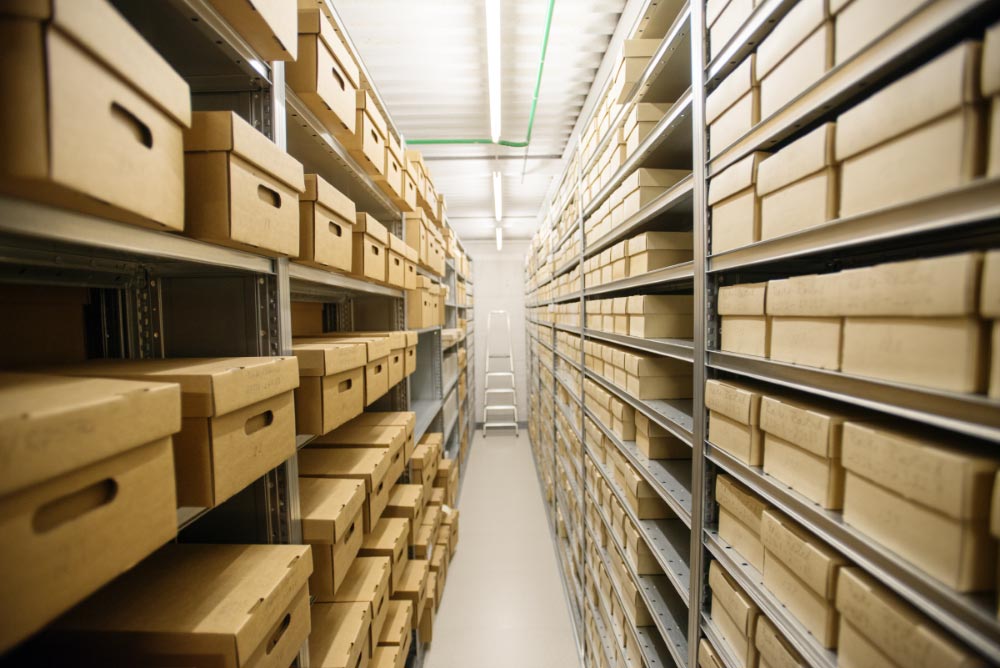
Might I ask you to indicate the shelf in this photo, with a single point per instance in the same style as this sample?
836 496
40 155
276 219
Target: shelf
426 410
746 39
671 478
681 349
565 410
569 390
676 203
610 654
427 330
750 581
719 644
424 271
450 427
970 414
450 385
573 363
575 227
679 274
674 415
892 53
451 304
971 618
572 329
566 267
312 282
972 203
562 299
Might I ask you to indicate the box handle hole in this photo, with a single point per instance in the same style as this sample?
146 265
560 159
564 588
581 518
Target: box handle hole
276 637
345 385
269 196
76 504
375 249
338 77
337 230
141 131
258 422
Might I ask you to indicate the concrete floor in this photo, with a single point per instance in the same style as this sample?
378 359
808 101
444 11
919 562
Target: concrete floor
503 603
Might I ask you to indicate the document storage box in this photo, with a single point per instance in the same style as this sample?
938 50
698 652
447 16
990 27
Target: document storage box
740 515
269 26
389 437
389 538
371 241
326 226
368 143
655 250
339 635
333 524
746 329
734 419
733 107
331 385
795 55
734 614
734 205
368 464
367 581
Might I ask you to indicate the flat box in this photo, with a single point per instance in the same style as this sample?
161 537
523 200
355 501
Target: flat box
660 387
796 27
368 464
91 93
733 107
326 224
399 624
368 143
772 647
405 419
234 605
746 335
819 479
944 353
261 184
339 635
388 656
734 205
389 538
637 552
900 633
390 437
858 23
740 515
734 614
814 342
656 442
798 71
408 501
370 240
708 657
727 23
743 299
815 296
655 250
238 418
333 510
62 544
798 186
268 26
331 385
644 185
801 571
367 581
640 495
324 76
414 585
740 440
640 121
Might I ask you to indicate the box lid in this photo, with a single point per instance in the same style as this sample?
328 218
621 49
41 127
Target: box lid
738 176
805 555
226 131
328 507
942 85
740 502
660 304
644 112
397 245
794 28
900 632
321 192
810 426
432 516
406 497
990 300
410 253
313 22
376 346
407 419
653 365
397 338
648 241
991 61
209 386
734 601
414 577
801 158
367 224
773 647
743 299
398 621
942 478
329 357
102 416
392 143
339 633
732 89
364 436
223 598
386 536
368 463
365 580
367 104
810 295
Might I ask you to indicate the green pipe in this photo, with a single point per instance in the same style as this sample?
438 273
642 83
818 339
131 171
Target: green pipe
534 100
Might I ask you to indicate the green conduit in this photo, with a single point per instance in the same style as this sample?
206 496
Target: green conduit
534 100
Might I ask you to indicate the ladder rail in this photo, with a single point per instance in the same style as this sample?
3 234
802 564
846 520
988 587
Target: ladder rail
510 392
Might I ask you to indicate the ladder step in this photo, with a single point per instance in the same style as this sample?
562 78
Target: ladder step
491 425
500 390
500 407
508 374
499 357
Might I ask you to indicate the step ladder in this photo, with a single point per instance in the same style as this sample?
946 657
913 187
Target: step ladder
499 381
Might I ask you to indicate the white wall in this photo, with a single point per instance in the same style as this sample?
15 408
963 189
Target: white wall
498 285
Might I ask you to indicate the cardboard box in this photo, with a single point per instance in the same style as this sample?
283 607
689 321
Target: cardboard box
925 501
339 636
644 185
368 143
991 89
370 243
268 26
408 501
801 571
740 515
414 586
331 385
238 418
326 224
391 438
332 524
396 262
734 205
425 633
399 624
391 182
858 23
367 581
746 335
640 121
806 64
900 633
75 518
944 353
707 656
814 342
743 299
644 501
655 250
727 23
236 605
405 419
934 143
92 94
814 298
733 107
378 346
734 613
389 538
795 28
260 212
798 185
772 647
656 442
324 76
368 464
734 419
388 656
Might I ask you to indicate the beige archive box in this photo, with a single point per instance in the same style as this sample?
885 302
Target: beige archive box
740 515
76 517
331 387
391 181
926 501
655 250
399 624
724 18
368 581
324 75
326 226
801 571
654 377
805 325
640 121
734 419
408 501
233 605
389 437
933 143
339 635
734 205
656 442
773 650
734 613
879 629
413 587
269 26
238 418
708 657
990 309
644 185
795 55
91 96
746 329
990 80
377 353
368 464
660 316
241 190
733 107
859 23
389 539
332 523
395 273
405 419
394 355
370 247
368 143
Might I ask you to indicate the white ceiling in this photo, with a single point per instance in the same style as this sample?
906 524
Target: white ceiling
428 59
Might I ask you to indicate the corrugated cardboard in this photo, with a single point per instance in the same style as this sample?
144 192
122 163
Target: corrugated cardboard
269 26
339 636
900 633
798 185
812 342
819 479
743 299
861 22
324 75
736 400
729 21
740 515
734 613
945 353
414 586
392 438
794 28
232 604
707 657
734 205
773 649
326 224
815 295
368 251
746 335
797 72
405 419
389 538
331 388
656 442
399 624
367 581
733 107
740 440
369 464
730 90
407 501
368 143
332 523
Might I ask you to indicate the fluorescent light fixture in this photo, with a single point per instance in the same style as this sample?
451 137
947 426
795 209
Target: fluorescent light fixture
498 195
499 238
493 64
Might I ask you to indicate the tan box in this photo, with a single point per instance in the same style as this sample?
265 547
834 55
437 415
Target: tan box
644 185
268 26
732 15
883 621
640 121
740 515
644 501
395 274
390 437
734 614
772 647
656 442
389 538
408 501
798 185
391 181
927 502
399 624
225 603
324 75
339 635
326 224
655 250
331 385
75 518
238 418
370 242
814 342
405 419
796 27
707 656
734 205
860 22
944 353
733 107
414 586
743 299
368 464
816 297
261 184
368 581
368 143
801 571
783 78
426 630
332 524
746 335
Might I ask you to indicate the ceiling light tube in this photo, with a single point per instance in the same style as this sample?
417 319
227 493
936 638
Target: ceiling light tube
499 238
493 64
498 195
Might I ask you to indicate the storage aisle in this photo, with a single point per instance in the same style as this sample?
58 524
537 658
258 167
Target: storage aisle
504 605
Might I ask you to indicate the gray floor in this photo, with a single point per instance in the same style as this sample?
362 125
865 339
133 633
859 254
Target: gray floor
503 604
